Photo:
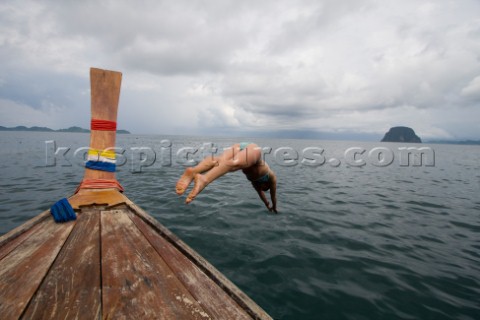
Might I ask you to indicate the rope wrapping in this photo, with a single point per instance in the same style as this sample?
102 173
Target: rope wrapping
100 184
103 125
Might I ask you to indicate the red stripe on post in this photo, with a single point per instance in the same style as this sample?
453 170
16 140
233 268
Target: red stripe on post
103 125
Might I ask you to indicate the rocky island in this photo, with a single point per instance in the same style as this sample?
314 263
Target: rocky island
401 134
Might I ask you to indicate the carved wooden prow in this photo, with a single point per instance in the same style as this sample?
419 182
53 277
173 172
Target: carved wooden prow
99 186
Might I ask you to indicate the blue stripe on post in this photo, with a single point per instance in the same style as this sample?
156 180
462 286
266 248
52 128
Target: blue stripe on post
100 165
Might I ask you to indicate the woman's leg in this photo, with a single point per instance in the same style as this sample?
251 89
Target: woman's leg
231 160
187 176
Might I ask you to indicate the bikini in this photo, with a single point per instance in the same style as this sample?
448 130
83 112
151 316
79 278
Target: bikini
243 145
263 179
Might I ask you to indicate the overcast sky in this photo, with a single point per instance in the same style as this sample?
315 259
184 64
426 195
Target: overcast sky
247 67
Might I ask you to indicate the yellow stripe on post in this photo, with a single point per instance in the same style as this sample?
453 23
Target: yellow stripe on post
109 154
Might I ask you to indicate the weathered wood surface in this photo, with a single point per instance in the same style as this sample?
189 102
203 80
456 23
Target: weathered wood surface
12 239
24 268
137 284
247 304
212 298
116 263
72 287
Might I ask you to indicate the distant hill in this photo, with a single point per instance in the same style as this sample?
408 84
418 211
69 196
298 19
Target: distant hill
401 134
74 129
45 129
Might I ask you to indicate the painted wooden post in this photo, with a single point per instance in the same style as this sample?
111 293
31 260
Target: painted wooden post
105 94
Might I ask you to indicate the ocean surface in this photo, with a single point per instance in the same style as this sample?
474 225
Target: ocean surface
356 237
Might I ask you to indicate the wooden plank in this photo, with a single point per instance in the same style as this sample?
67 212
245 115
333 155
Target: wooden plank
13 238
137 284
23 270
15 241
254 310
72 287
212 298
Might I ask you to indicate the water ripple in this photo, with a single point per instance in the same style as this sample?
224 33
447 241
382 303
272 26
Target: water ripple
349 243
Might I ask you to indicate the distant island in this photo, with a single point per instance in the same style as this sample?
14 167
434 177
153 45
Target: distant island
45 129
401 134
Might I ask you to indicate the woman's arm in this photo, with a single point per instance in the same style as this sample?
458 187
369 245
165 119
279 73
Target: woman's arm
273 191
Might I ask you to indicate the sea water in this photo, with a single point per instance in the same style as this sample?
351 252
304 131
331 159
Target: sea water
360 234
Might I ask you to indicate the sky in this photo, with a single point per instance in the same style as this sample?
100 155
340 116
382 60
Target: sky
322 68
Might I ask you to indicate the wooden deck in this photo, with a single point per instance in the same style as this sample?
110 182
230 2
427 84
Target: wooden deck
114 262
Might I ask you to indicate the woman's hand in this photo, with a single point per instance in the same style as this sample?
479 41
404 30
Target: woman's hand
272 208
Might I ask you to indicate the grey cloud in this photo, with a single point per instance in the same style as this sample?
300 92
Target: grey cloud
315 21
472 90
38 89
262 63
164 38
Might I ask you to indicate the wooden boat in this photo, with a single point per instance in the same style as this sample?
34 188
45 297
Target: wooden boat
114 261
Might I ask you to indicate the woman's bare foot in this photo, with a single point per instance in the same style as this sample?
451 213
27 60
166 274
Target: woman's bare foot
184 181
200 184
